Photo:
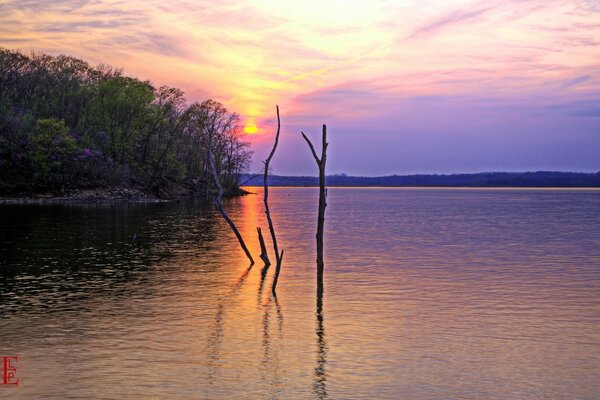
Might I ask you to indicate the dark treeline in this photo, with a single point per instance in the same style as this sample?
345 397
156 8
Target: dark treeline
487 179
65 124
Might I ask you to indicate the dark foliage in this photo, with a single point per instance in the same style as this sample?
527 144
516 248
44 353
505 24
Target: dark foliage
65 124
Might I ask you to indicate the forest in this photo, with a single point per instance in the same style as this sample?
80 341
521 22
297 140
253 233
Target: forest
65 124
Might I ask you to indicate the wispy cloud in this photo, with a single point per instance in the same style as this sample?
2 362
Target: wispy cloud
451 19
391 68
576 81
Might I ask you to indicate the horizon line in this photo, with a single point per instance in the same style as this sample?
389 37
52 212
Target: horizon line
344 175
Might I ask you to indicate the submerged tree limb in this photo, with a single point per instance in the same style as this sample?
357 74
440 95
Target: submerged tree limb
220 206
252 177
263 249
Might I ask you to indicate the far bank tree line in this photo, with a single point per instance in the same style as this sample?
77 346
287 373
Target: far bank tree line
66 124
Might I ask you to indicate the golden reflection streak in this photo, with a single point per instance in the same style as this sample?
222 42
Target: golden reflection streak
271 361
249 211
214 342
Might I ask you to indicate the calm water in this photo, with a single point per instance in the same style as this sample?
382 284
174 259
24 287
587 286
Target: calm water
430 294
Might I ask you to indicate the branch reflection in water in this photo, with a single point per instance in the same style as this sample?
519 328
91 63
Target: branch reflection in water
261 286
214 342
271 360
272 368
320 378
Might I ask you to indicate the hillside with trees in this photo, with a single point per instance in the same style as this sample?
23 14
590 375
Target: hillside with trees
65 124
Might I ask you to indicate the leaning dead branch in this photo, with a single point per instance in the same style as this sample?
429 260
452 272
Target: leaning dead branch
213 170
322 203
263 249
249 179
266 188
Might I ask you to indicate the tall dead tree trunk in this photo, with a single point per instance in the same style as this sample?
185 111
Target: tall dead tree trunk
267 162
322 204
213 170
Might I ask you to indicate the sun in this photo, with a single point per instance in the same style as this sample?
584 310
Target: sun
250 129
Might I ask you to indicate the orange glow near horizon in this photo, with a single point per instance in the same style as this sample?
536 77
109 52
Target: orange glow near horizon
257 61
352 64
250 127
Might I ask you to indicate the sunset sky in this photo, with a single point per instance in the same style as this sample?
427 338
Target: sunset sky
405 86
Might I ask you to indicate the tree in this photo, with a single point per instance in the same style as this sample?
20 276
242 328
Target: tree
267 162
322 203
121 107
53 152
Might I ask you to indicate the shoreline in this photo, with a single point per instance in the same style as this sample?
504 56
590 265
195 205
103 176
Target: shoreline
102 196
129 195
85 196
582 188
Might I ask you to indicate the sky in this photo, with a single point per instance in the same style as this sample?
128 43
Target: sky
404 86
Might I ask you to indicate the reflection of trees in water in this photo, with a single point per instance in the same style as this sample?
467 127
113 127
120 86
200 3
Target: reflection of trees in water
271 361
261 285
214 341
85 249
279 316
47 231
270 371
320 377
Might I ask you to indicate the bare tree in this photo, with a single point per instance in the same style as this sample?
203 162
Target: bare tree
220 206
278 256
322 203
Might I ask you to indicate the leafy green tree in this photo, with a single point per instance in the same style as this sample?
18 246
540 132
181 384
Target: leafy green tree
121 107
53 152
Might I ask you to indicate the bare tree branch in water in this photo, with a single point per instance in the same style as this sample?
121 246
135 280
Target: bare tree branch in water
278 256
220 206
263 249
322 203
252 177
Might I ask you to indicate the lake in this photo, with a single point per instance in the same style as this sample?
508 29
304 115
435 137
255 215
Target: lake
429 294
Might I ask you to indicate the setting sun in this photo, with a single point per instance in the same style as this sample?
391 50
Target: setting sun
250 129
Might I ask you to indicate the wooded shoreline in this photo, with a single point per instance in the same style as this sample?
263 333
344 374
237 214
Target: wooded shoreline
108 195
67 127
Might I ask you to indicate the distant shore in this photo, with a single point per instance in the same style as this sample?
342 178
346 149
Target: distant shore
538 179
